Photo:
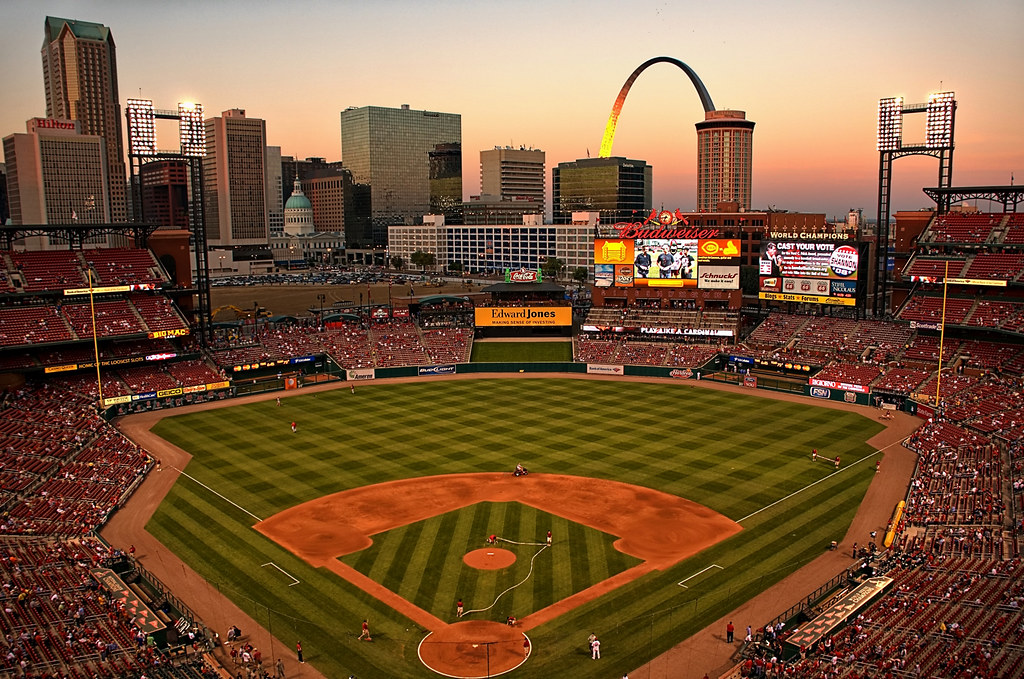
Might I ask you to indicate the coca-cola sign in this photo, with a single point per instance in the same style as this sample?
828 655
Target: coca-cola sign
522 276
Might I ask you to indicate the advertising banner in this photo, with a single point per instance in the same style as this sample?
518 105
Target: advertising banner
360 374
601 369
809 272
522 275
523 316
718 278
143 617
437 370
844 386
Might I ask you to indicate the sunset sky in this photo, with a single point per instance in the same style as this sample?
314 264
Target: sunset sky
545 74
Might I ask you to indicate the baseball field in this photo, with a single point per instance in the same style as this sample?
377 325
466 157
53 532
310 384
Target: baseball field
668 505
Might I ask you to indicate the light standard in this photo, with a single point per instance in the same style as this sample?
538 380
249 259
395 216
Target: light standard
221 263
321 298
291 255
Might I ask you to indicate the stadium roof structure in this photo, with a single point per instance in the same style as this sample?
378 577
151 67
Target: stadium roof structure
524 287
436 299
1007 196
75 234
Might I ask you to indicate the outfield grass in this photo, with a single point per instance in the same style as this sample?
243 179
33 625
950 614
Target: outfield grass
735 453
522 352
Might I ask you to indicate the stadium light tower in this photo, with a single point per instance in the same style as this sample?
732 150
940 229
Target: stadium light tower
941 111
142 148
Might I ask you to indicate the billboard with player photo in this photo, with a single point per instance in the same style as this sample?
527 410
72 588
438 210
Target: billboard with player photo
817 272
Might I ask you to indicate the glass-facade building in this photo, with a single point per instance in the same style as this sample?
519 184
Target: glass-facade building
617 188
407 158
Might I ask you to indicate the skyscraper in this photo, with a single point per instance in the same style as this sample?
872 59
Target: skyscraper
80 79
724 148
619 188
511 173
390 149
233 180
55 175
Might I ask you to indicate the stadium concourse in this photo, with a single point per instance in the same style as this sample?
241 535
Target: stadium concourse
953 607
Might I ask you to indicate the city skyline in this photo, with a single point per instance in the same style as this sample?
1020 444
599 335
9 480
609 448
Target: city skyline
809 74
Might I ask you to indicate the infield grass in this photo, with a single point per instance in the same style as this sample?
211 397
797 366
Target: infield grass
735 453
582 553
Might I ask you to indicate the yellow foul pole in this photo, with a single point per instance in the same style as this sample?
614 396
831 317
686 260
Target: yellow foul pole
95 341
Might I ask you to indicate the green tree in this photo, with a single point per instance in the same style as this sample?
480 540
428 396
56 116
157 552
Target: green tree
397 262
423 259
580 274
455 267
552 266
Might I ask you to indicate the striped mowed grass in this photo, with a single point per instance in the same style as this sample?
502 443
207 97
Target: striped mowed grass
431 551
735 453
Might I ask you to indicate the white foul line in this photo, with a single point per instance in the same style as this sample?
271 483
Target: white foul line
271 563
680 583
824 478
234 504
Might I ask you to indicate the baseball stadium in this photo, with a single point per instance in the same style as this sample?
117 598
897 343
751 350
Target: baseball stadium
490 478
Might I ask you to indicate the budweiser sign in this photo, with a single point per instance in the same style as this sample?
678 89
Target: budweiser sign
663 224
522 276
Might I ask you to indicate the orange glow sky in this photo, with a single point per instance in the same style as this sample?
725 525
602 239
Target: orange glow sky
545 74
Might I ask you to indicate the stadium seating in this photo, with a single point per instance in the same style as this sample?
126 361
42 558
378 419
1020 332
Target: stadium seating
123 266
32 325
996 266
963 228
49 270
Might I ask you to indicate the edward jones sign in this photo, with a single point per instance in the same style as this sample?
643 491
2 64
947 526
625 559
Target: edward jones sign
516 316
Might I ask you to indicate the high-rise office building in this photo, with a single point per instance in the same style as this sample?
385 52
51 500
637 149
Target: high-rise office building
80 80
234 183
273 190
724 147
5 210
512 173
390 149
164 189
55 175
618 188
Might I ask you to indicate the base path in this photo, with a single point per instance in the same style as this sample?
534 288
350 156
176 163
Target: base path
660 529
705 651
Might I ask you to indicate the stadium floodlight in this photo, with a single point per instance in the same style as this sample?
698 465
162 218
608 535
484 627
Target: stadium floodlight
939 128
890 123
141 127
192 129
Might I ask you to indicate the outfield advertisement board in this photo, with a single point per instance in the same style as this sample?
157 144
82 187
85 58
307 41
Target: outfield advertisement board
844 386
706 263
436 370
360 374
812 272
603 369
510 316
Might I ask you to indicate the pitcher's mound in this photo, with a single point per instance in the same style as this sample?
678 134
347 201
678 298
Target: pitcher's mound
471 649
489 558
